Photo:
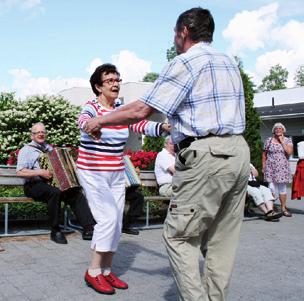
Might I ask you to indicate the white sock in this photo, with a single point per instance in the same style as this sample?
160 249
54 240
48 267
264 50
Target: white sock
94 272
106 271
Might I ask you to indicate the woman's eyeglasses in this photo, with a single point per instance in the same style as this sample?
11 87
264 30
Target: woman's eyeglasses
111 81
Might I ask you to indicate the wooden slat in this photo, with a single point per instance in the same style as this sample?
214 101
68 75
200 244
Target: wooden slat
17 199
157 198
8 177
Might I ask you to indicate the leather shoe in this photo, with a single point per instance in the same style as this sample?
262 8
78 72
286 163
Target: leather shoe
99 284
87 234
58 237
130 231
114 281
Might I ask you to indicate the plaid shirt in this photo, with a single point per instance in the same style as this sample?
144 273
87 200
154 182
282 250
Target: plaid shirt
28 158
200 92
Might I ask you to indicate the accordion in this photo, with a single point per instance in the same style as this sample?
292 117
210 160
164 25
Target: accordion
61 164
131 176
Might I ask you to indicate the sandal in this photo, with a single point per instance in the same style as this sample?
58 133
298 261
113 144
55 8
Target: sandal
272 216
286 213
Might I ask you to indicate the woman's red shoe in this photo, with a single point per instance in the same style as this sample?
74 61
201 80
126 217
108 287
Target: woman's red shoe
99 284
116 282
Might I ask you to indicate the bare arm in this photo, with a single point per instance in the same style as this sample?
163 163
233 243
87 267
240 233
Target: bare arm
264 156
29 173
254 171
171 169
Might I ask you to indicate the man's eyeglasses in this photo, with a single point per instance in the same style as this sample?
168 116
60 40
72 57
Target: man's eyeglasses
111 81
39 133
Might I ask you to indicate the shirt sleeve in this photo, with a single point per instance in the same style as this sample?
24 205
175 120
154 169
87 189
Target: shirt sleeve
288 140
88 111
171 87
266 144
22 160
148 128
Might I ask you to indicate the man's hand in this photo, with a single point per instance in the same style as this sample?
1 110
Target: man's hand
46 174
92 128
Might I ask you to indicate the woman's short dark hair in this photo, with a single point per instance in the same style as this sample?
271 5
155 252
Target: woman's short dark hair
199 23
95 78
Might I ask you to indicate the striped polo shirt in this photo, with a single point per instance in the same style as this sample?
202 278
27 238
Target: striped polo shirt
106 154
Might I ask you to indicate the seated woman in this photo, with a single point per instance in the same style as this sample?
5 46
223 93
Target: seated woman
262 196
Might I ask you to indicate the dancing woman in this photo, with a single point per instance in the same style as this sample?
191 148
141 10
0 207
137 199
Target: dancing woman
101 172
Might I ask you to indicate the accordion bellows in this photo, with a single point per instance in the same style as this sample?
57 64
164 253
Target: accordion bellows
61 164
131 176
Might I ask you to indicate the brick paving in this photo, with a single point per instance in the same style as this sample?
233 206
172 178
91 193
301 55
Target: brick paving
269 265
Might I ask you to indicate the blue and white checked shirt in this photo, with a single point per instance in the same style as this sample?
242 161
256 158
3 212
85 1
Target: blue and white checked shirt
200 92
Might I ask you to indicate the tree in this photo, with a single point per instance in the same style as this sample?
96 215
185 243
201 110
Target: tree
7 101
276 79
171 53
299 76
150 77
253 121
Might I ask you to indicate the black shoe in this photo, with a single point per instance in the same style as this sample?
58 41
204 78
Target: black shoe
87 234
130 231
58 237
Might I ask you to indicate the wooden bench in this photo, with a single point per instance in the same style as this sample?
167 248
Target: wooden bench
9 178
148 180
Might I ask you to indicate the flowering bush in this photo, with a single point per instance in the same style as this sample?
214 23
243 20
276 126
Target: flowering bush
17 117
142 159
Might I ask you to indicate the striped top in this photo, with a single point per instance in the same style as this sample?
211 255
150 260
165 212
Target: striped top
107 153
201 92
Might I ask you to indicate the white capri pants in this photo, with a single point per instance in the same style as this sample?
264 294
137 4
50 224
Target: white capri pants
260 194
278 188
105 192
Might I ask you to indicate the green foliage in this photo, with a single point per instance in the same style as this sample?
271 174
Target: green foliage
150 77
7 101
276 79
171 53
253 121
22 210
299 76
58 115
154 144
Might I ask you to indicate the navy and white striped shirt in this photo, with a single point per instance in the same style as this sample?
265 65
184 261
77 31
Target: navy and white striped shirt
201 92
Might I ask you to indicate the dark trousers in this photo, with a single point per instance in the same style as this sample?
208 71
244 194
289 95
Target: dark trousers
136 200
52 196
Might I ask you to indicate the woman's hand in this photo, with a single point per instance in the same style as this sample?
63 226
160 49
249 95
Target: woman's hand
92 128
281 139
166 127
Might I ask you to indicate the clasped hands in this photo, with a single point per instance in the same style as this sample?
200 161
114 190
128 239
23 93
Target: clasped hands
93 126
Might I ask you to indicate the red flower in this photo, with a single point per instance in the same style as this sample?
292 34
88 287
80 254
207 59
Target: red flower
142 159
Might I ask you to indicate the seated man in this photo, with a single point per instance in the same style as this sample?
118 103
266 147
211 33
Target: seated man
164 168
136 201
262 196
37 187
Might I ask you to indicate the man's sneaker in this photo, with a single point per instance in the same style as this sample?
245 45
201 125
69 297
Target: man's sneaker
99 284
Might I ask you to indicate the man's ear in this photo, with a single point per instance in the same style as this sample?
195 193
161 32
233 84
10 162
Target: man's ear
185 33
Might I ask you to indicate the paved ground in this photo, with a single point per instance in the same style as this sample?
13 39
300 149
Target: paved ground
269 265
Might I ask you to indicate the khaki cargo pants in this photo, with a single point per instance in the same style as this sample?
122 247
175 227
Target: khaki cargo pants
205 215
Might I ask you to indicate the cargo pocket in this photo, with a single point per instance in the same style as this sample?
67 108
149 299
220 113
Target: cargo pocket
182 221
